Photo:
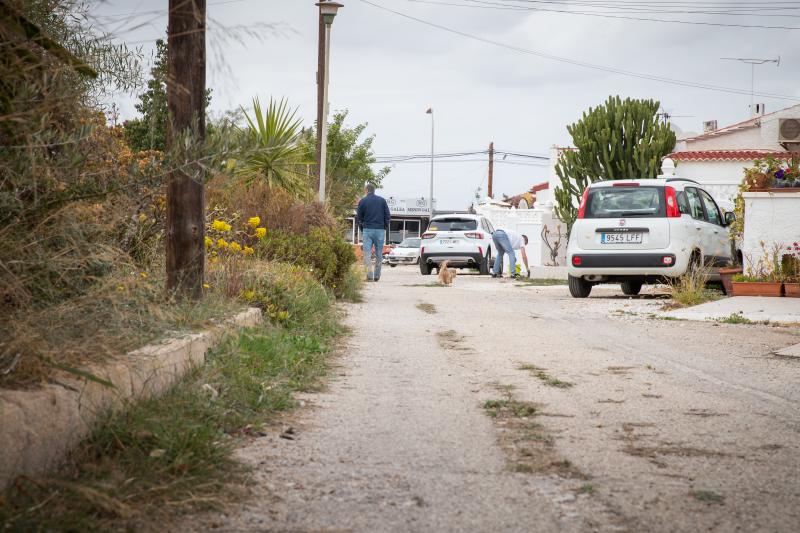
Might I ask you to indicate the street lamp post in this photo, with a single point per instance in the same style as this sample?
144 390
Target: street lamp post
430 197
327 11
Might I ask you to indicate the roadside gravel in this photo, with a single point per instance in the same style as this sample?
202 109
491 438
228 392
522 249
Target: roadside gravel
664 425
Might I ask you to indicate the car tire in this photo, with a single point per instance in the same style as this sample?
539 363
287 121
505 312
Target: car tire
485 265
631 288
424 268
579 287
392 265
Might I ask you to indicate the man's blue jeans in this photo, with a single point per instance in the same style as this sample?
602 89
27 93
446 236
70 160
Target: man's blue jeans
503 245
372 236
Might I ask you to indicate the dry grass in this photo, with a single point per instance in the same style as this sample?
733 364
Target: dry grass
527 444
173 454
692 288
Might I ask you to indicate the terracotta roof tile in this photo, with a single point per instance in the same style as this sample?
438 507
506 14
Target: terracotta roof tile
727 155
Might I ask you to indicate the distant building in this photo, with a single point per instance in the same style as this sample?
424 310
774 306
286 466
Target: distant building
410 218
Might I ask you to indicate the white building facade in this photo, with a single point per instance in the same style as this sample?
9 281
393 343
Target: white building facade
718 158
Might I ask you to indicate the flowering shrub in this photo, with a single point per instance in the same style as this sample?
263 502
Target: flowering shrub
790 263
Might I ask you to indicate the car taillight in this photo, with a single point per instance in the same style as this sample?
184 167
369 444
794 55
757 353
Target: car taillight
475 235
576 260
428 235
673 211
582 207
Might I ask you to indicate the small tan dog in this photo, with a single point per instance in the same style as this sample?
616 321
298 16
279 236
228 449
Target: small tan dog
446 275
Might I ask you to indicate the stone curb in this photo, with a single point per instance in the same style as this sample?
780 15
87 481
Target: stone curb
39 427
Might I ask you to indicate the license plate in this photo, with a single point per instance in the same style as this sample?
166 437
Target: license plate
447 242
621 238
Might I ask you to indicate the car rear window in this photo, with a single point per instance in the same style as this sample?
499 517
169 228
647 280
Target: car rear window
615 202
453 224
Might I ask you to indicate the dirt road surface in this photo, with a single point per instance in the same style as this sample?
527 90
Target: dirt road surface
497 406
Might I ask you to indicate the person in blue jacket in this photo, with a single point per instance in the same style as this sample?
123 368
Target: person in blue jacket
372 216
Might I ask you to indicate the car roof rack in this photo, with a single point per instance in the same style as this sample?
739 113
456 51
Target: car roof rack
682 179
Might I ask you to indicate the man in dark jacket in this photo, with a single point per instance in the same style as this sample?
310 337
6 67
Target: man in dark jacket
372 216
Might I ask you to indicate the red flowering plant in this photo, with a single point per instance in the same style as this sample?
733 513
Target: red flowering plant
790 263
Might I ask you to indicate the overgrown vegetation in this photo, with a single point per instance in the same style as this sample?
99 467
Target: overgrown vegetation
83 204
621 139
692 288
173 453
546 378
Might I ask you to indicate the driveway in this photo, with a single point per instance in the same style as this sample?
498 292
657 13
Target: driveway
498 406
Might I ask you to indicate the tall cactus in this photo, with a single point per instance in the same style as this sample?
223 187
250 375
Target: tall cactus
622 139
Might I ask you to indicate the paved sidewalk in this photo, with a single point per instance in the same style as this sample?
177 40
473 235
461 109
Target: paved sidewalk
753 308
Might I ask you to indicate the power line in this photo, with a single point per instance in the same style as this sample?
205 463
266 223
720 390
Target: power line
584 64
495 5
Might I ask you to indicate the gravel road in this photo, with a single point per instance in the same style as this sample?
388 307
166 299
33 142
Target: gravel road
600 419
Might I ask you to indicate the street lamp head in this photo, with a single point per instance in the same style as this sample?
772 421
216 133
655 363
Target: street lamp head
328 11
429 111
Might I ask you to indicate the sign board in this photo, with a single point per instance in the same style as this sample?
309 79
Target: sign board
408 206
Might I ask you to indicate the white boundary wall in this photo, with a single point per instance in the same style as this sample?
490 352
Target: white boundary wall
771 218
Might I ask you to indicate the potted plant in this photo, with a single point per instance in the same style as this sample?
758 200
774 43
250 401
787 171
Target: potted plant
726 275
763 277
790 264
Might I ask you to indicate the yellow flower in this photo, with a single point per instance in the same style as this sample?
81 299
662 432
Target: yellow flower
214 260
142 217
143 275
206 286
220 225
235 247
222 243
261 232
209 241
254 221
283 315
248 251
249 294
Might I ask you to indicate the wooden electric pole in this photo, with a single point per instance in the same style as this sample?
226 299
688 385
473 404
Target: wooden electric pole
320 93
186 128
491 169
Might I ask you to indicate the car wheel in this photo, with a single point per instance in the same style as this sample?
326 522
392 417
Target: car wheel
424 268
579 287
392 265
485 265
631 288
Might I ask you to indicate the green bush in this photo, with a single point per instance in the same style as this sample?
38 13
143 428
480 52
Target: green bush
326 254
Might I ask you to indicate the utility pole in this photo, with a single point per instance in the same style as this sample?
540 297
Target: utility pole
320 92
430 196
491 168
186 91
327 11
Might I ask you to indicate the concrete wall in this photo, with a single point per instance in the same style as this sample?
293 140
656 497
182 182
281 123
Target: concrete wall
529 222
773 218
39 427
720 178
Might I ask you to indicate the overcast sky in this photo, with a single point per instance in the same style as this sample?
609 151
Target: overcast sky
387 70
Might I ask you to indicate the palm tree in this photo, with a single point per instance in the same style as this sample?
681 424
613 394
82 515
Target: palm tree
274 150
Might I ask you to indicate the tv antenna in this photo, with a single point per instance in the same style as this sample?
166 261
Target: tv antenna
753 61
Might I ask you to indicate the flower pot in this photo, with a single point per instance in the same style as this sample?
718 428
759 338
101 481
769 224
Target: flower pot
757 288
792 290
726 275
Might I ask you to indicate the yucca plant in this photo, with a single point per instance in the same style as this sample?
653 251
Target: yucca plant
274 150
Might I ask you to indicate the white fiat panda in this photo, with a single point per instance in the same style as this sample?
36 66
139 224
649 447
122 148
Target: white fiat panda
645 231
